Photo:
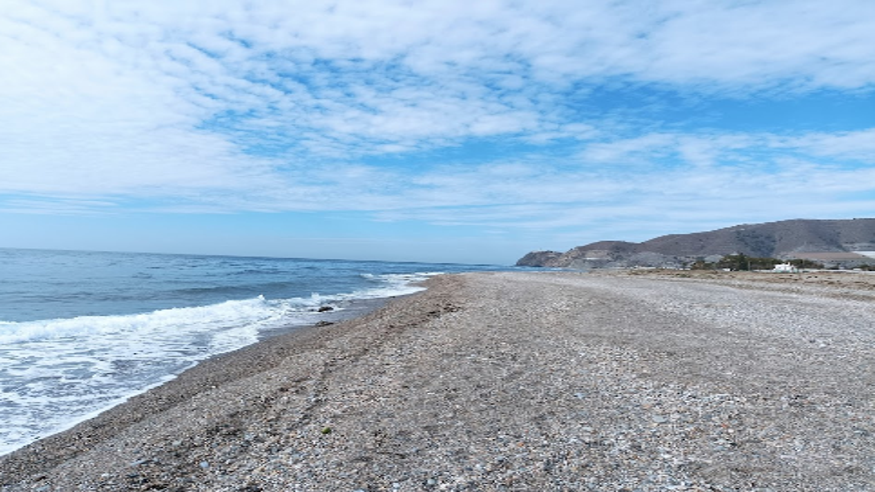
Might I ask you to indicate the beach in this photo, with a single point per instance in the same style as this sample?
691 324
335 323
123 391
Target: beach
516 381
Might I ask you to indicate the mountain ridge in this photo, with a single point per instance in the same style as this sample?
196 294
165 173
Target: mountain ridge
782 239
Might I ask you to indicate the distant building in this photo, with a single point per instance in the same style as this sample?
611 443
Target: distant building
785 268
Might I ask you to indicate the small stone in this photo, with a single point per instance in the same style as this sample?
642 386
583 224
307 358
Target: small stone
204 465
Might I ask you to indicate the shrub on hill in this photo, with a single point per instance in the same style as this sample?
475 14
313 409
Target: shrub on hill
743 263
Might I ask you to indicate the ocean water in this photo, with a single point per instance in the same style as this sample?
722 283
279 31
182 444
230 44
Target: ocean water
81 332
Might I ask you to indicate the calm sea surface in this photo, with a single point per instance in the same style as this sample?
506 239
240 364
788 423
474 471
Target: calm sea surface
83 331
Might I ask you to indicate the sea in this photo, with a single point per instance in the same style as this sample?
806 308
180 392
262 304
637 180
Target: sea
81 332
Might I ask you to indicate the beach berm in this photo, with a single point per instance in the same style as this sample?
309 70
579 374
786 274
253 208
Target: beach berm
515 381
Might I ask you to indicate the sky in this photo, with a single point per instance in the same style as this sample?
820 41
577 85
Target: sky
440 131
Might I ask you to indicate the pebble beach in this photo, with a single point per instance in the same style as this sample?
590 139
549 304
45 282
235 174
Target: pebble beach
514 381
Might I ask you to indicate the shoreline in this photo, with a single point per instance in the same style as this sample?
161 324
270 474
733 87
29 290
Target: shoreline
509 381
348 309
353 308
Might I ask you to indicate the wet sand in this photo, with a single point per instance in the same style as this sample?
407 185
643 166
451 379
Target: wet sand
515 381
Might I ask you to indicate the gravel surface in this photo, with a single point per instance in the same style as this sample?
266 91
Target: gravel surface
514 382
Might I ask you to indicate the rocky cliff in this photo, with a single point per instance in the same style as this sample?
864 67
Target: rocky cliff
784 239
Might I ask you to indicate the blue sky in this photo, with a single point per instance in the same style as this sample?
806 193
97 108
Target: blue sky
436 130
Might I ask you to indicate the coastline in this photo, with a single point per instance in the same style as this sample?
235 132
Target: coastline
509 381
351 309
336 312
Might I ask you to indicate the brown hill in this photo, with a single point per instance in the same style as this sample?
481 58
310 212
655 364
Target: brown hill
783 239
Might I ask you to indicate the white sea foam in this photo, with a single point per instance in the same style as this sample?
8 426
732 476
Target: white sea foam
155 322
55 373
395 284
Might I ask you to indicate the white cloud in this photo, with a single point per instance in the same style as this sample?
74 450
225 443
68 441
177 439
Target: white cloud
855 145
222 106
57 206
